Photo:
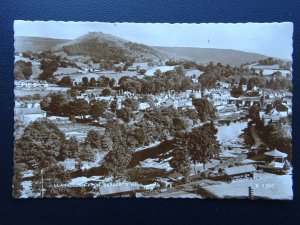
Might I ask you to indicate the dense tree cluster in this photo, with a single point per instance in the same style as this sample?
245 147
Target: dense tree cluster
62 105
48 67
273 61
23 70
99 51
199 146
162 82
205 109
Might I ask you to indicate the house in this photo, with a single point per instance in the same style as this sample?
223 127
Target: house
120 189
239 171
223 85
150 187
272 117
276 159
244 87
144 106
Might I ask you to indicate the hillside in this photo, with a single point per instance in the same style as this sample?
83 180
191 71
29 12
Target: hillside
105 46
99 46
36 44
205 55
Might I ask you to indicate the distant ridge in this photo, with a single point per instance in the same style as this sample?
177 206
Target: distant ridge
139 51
206 55
36 44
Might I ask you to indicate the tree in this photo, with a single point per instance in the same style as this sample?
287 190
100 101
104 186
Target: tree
114 105
94 139
181 160
86 153
124 114
206 111
97 109
243 81
48 67
208 80
79 107
237 91
118 69
71 148
254 112
203 144
65 81
131 104
92 80
118 159
180 70
58 105
85 81
142 71
125 68
112 82
23 70
40 144
106 92
157 73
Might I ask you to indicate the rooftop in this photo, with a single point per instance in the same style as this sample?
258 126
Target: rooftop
239 170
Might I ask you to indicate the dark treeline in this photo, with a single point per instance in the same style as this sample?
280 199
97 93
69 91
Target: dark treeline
97 50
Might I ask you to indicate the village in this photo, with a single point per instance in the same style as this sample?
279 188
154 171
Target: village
128 128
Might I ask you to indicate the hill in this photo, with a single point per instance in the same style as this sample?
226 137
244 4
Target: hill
205 55
100 46
36 44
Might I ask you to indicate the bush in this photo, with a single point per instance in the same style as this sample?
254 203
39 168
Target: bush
106 92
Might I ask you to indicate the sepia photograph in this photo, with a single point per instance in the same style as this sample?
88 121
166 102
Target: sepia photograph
153 110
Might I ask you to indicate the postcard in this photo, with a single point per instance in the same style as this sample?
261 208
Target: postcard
153 110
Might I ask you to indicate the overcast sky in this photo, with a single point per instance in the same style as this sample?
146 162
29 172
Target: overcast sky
271 39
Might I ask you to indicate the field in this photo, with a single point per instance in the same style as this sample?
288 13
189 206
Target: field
150 72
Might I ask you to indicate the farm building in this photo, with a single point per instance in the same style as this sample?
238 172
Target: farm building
240 171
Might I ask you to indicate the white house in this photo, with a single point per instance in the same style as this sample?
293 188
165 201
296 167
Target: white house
223 85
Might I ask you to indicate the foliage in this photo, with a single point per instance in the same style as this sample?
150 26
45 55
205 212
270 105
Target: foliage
124 113
203 144
48 67
117 160
56 104
114 105
206 111
93 47
236 91
131 104
181 159
40 144
94 139
65 81
97 109
22 70
106 92
78 107
254 112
